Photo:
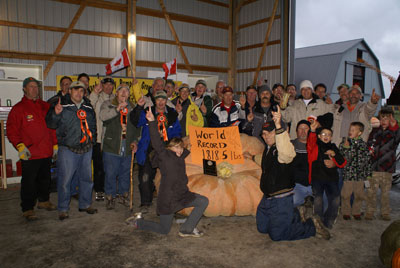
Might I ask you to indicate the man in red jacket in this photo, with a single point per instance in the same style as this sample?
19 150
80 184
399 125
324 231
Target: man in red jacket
35 143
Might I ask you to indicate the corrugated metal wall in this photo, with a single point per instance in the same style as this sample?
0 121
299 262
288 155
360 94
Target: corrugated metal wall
57 14
254 35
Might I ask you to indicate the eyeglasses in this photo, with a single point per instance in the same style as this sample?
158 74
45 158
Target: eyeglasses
326 134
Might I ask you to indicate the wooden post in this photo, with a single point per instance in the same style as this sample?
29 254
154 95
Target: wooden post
133 49
128 30
64 39
3 157
286 37
271 21
178 43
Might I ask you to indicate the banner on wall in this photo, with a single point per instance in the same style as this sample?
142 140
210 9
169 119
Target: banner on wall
216 144
142 87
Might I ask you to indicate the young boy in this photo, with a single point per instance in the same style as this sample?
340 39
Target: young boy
382 143
356 172
323 158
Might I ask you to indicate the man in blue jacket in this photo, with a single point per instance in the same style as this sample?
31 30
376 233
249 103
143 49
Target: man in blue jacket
74 119
168 126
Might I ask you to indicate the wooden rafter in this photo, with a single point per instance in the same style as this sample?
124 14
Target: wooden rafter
149 12
214 3
100 60
64 39
270 23
178 43
105 34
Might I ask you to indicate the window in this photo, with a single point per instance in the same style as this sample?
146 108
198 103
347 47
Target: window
359 54
359 76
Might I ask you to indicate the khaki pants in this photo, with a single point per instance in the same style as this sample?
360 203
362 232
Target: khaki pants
384 181
349 187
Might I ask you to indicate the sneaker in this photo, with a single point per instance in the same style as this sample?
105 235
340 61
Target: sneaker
63 215
133 220
320 230
99 196
88 210
195 233
357 217
110 202
46 205
346 217
30 215
385 217
302 212
369 217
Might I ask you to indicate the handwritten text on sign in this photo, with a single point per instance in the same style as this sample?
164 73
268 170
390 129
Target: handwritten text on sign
217 144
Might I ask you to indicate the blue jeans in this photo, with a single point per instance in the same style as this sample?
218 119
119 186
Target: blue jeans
332 193
278 218
301 192
74 184
69 165
116 166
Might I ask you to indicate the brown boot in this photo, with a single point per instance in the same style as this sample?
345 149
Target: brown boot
46 205
320 230
30 215
385 217
110 202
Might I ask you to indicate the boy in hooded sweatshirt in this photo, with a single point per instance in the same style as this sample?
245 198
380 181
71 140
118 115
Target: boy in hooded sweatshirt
323 159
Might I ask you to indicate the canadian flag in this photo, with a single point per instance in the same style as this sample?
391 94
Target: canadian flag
118 63
169 68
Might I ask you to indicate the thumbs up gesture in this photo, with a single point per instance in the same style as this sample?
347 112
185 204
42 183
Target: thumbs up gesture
194 116
58 108
203 108
178 106
374 97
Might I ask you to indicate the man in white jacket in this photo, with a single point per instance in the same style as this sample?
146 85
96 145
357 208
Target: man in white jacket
307 105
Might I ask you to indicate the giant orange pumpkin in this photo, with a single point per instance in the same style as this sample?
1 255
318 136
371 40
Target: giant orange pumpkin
238 194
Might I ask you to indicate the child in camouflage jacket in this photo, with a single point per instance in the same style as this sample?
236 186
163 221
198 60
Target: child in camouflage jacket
356 172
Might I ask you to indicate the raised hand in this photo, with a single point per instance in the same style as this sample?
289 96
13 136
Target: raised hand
122 105
203 108
194 116
328 99
276 116
242 100
346 142
392 121
178 106
259 82
314 125
97 89
149 115
58 108
374 97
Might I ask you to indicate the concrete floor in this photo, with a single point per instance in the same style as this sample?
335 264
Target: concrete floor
103 240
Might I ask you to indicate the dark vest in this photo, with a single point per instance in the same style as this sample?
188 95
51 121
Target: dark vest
275 176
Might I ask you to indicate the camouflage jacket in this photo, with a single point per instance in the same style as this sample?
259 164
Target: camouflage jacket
358 158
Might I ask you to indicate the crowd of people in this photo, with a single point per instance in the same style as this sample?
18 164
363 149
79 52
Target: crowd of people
318 154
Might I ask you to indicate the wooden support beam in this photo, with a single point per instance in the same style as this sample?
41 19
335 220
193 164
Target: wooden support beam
149 12
214 3
133 49
258 22
260 60
128 29
98 60
285 38
270 43
64 39
105 34
264 68
178 43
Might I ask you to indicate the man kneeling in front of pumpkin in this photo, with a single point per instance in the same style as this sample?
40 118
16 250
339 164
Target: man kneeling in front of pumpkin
276 215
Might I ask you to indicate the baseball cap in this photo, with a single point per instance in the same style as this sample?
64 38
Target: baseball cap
269 126
108 79
28 80
161 94
77 84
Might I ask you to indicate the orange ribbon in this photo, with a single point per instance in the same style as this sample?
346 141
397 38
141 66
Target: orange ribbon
124 121
84 125
161 124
